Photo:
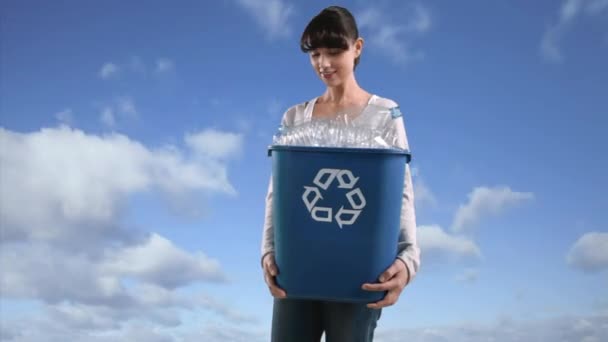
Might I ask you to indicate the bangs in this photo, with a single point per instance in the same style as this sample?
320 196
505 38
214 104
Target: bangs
325 32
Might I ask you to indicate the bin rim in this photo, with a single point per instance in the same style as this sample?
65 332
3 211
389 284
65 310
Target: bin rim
326 149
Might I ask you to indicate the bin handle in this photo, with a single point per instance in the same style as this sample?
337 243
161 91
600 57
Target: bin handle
408 154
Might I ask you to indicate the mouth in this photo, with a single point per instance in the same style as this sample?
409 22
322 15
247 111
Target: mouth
327 75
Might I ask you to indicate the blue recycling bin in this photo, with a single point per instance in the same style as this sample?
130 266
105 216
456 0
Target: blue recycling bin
336 216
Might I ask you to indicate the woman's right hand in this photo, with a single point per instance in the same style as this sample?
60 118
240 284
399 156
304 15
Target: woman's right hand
270 273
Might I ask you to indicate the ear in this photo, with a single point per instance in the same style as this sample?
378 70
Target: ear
359 46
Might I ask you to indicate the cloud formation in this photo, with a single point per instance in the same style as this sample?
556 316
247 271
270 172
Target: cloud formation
66 246
590 252
570 11
593 328
433 240
65 116
273 16
108 70
391 32
164 65
485 201
135 65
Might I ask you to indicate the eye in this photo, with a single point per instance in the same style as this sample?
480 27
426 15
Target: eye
335 52
314 54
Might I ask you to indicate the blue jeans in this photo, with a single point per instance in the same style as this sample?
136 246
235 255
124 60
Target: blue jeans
298 320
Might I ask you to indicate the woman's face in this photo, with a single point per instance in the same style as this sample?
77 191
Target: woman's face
334 66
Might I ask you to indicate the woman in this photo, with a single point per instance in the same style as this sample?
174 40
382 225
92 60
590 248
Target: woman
332 41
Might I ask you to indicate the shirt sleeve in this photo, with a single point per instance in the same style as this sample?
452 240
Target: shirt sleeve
268 230
408 250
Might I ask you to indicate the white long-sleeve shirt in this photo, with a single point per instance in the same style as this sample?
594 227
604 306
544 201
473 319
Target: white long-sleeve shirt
408 250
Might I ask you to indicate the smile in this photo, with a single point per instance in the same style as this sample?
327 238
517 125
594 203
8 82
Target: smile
327 74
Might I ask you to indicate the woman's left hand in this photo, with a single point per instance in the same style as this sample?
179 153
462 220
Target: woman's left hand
393 280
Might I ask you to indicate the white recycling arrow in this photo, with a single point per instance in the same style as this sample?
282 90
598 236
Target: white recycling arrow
351 200
352 180
316 217
332 174
342 211
305 196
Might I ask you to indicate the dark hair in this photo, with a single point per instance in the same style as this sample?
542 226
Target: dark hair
334 27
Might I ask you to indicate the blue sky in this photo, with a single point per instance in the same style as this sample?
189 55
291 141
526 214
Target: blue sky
133 164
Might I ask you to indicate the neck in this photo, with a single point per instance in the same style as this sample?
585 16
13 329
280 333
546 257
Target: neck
345 93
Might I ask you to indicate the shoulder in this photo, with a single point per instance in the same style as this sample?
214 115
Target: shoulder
384 102
295 113
388 104
391 107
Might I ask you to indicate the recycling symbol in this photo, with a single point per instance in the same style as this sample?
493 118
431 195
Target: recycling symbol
323 180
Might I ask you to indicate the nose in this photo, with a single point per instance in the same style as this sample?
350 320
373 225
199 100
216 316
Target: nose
323 61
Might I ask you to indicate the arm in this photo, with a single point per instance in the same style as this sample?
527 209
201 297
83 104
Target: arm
289 117
408 250
268 231
268 264
405 267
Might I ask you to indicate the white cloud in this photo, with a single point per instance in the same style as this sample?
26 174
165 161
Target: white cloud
596 6
107 117
224 310
215 144
108 70
126 106
392 36
590 252
421 19
434 240
66 116
164 65
82 317
100 294
423 194
549 45
273 16
563 328
136 65
67 177
156 260
67 322
117 111
484 201
65 247
569 11
220 332
38 271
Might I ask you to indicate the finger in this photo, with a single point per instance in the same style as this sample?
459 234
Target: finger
272 288
387 301
387 286
390 272
275 290
271 267
270 280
